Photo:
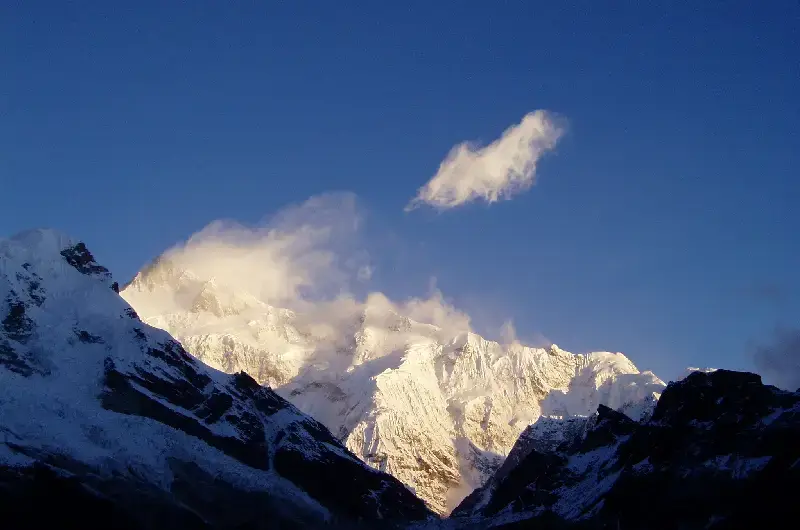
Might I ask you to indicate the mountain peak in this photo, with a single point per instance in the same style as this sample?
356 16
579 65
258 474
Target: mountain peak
162 272
37 246
438 407
44 241
121 410
53 253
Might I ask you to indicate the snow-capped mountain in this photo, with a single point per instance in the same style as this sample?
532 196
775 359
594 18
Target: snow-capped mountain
106 422
437 408
721 451
109 423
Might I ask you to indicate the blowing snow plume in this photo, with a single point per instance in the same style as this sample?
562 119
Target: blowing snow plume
309 258
498 171
295 256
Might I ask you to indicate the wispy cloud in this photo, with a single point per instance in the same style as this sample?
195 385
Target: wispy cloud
779 361
497 171
309 257
307 251
314 258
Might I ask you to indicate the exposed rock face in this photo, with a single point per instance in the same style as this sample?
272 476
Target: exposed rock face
722 450
119 427
438 409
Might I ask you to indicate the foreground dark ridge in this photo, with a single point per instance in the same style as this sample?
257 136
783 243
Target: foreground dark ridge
108 423
721 451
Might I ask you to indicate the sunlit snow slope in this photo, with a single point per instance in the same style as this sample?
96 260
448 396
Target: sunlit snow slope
438 409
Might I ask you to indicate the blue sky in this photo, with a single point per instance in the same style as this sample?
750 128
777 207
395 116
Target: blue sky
663 225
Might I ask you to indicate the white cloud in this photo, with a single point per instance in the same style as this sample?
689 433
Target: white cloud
295 255
498 171
312 258
437 311
307 258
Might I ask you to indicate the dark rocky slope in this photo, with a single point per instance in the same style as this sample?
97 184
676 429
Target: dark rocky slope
722 450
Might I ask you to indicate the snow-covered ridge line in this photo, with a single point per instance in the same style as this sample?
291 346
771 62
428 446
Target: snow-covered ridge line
91 392
438 408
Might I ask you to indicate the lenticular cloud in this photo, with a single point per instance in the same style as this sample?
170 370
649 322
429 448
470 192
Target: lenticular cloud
497 171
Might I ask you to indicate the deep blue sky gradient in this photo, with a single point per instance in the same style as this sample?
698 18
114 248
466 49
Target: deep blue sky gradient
666 224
